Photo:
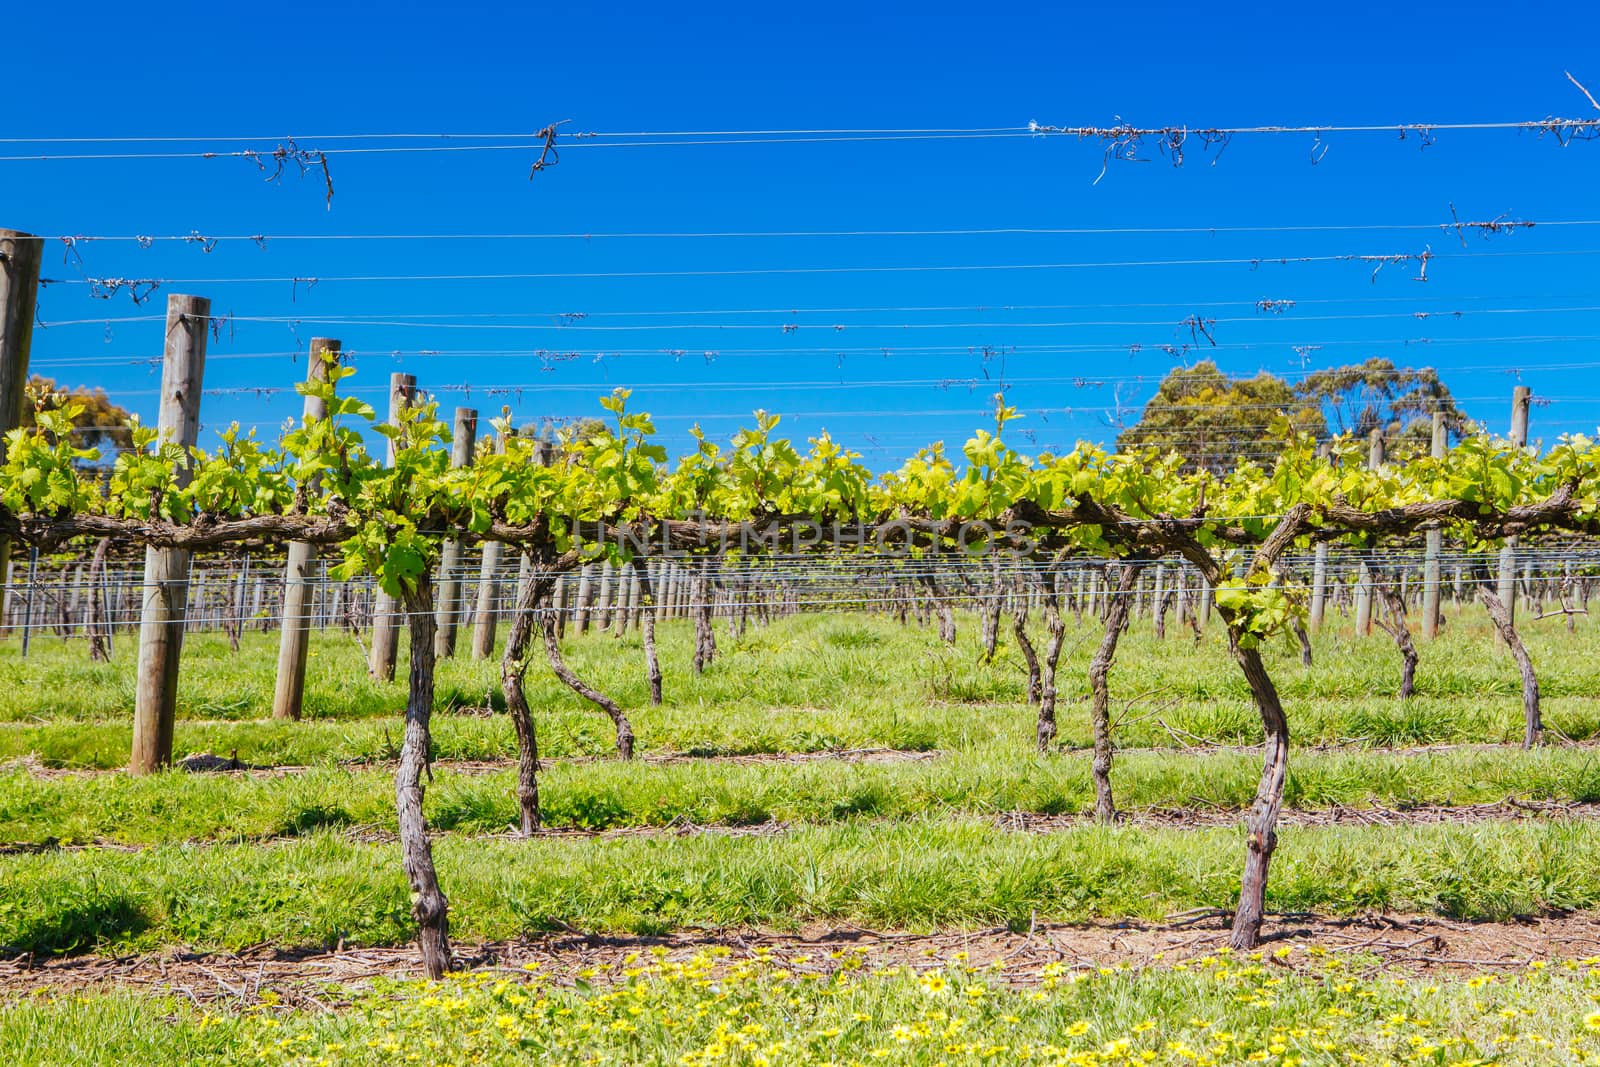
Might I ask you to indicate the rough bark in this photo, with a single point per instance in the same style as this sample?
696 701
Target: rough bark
647 628
1161 596
1533 724
1019 630
1395 626
1261 824
1563 597
1304 640
513 669
739 615
235 624
993 601
941 607
99 630
1191 615
428 904
1125 576
705 639
1046 732
552 648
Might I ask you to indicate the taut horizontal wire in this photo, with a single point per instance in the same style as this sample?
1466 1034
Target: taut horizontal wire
1120 134
1376 260
996 350
1003 231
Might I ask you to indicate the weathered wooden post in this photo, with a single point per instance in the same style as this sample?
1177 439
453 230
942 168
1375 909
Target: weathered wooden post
1319 565
288 694
1364 588
166 570
385 609
602 600
1521 397
488 607
584 581
20 254
627 594
1435 548
464 437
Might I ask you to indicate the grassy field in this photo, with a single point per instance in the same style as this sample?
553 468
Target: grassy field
826 771
805 684
924 874
991 779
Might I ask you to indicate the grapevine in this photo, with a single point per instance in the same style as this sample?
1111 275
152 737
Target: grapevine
614 496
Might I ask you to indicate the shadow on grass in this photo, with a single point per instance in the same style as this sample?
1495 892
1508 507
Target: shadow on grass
73 927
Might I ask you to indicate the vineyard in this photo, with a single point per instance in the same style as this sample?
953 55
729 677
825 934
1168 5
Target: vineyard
821 543
774 688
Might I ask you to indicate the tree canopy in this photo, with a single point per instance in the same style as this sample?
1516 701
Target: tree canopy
100 424
1215 420
1377 395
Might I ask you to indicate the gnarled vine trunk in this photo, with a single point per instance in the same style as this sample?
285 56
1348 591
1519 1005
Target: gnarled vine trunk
705 638
647 627
235 624
1303 639
99 630
1160 595
941 607
1046 731
1261 825
428 904
513 669
1123 577
1395 626
993 601
552 648
1019 630
1533 723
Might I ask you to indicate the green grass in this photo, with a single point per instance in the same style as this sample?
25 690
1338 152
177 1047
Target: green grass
804 684
229 861
943 872
175 807
1308 1011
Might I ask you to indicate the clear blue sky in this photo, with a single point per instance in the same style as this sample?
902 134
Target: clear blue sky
242 77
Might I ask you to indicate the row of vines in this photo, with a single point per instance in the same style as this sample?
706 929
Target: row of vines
612 494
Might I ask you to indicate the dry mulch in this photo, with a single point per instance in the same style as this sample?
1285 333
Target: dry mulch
1405 943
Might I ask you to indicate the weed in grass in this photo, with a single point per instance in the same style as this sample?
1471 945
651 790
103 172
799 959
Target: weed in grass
1289 1006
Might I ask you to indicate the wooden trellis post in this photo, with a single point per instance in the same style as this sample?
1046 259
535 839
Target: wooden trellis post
483 623
1520 399
1364 588
1435 548
464 437
288 695
385 611
20 254
166 570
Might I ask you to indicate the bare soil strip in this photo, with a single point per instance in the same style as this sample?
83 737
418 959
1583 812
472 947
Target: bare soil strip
1404 943
209 763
